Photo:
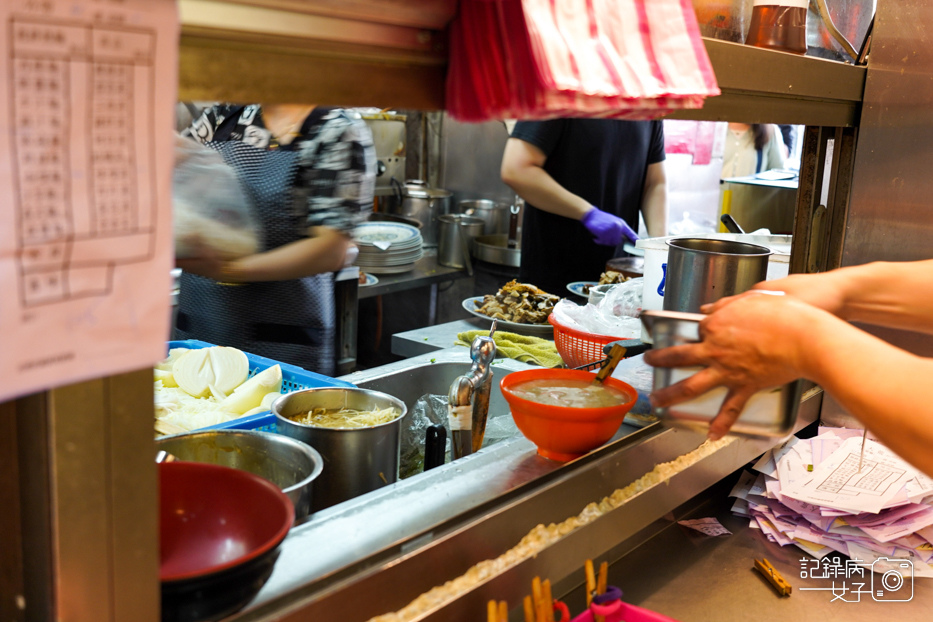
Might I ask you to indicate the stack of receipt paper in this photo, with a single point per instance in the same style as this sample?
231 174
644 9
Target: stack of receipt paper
812 494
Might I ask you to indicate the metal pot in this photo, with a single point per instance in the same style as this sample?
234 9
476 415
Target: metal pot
455 233
382 217
289 464
495 249
703 270
416 200
495 216
356 460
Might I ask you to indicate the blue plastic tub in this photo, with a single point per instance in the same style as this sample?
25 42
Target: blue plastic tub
293 379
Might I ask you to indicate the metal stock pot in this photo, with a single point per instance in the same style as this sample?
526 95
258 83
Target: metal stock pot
495 216
415 199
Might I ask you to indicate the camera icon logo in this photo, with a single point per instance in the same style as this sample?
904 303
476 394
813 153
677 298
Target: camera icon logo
892 580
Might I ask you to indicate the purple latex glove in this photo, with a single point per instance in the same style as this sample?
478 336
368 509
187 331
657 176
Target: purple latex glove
607 229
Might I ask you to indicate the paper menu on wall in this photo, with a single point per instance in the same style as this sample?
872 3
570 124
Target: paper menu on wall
86 159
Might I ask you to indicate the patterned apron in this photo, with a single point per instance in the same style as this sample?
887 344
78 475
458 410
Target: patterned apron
289 321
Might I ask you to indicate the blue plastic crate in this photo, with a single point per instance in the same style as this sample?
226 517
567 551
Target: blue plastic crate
294 378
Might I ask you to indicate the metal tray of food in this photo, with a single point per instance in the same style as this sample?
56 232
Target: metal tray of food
771 412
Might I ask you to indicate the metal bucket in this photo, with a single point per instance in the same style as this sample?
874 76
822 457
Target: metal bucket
289 464
356 460
703 270
494 215
455 234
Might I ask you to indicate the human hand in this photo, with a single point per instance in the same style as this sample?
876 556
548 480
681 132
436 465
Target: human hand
204 261
750 342
607 229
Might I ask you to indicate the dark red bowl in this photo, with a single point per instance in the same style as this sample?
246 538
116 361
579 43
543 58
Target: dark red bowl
215 518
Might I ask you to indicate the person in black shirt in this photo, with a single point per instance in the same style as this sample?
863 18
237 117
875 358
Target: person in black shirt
584 182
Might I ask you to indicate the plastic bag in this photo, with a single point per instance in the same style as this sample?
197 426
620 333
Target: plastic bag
616 315
212 211
427 411
500 428
623 300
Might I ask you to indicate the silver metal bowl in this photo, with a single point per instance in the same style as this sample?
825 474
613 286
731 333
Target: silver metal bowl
286 462
357 460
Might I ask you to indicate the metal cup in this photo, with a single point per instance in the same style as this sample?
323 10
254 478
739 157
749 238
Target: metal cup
703 270
456 233
356 460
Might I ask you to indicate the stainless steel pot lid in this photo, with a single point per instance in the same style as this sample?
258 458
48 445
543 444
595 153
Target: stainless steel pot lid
417 189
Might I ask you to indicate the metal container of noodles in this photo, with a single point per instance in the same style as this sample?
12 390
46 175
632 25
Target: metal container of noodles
357 460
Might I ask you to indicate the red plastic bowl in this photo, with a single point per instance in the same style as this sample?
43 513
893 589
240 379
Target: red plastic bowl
563 433
214 518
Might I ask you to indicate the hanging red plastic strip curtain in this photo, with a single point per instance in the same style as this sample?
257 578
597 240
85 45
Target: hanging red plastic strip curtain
538 59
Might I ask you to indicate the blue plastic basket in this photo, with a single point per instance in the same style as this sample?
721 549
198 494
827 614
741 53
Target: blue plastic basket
293 379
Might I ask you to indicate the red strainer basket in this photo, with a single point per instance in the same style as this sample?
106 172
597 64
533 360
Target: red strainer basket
578 347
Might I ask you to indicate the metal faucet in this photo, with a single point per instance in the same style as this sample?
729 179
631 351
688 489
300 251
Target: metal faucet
468 398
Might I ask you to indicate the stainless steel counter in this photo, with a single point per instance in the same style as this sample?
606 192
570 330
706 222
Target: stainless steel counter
376 553
695 578
438 336
426 272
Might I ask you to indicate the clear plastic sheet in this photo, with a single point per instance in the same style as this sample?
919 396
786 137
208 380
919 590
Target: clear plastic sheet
211 210
430 410
499 429
427 411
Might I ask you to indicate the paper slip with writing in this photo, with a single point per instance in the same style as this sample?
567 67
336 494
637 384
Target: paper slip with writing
838 483
86 158
810 493
708 526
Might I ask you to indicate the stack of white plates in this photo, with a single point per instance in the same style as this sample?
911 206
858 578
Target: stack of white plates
387 247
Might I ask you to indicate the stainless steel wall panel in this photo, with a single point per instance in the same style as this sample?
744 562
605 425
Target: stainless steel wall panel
891 212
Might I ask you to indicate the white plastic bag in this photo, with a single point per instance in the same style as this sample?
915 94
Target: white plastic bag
623 300
211 209
589 319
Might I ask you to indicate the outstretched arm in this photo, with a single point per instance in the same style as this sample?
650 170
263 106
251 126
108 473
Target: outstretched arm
755 342
523 171
892 294
323 252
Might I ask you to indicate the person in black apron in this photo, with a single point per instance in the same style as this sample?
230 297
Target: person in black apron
310 174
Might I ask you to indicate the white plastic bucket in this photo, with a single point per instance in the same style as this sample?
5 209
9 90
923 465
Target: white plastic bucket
656 263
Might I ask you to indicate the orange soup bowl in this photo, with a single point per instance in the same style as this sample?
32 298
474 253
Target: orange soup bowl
563 433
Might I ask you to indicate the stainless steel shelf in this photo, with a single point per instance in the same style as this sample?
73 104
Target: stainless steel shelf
322 52
765 86
357 53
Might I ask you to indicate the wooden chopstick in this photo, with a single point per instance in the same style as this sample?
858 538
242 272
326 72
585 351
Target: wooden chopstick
601 582
590 582
529 609
547 601
497 612
537 597
603 578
